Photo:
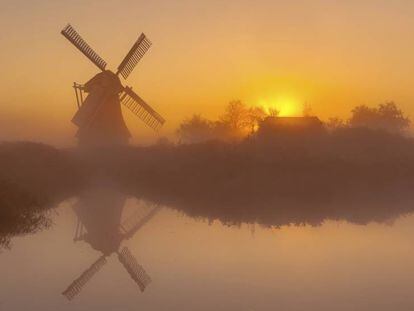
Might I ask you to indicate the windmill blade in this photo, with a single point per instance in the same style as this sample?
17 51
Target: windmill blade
77 285
137 51
136 222
80 233
70 33
140 108
134 269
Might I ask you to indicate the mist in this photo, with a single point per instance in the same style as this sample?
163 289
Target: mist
206 155
356 175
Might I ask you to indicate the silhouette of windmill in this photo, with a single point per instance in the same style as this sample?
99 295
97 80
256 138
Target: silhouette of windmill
99 118
106 234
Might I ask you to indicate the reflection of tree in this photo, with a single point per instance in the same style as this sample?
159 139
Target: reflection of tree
353 174
20 213
357 175
33 178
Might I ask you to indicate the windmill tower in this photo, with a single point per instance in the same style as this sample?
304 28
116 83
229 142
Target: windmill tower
99 118
106 233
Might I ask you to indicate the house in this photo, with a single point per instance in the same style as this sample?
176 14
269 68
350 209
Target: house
291 125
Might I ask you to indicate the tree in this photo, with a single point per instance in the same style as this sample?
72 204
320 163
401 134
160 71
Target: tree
393 117
273 112
235 115
307 110
235 123
254 116
386 117
335 123
195 129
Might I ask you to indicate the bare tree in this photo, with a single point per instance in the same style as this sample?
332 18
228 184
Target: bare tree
235 115
273 112
254 116
235 123
335 123
307 110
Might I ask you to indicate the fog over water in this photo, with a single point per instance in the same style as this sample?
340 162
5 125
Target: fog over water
206 155
243 226
196 265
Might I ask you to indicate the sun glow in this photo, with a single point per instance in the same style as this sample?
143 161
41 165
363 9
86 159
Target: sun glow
286 106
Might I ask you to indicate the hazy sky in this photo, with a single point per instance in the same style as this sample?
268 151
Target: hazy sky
330 54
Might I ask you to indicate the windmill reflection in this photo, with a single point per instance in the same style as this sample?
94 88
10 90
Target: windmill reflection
100 224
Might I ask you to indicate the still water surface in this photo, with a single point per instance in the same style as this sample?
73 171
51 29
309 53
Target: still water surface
196 265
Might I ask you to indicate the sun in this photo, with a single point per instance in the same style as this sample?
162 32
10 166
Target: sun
287 106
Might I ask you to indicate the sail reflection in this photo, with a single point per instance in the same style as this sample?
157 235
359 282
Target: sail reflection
100 224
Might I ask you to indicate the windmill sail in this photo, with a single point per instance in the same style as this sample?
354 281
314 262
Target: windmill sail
79 232
134 269
70 33
137 51
140 108
77 285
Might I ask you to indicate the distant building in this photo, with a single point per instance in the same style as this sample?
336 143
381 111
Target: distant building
299 125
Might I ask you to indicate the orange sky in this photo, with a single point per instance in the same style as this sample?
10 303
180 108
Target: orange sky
330 54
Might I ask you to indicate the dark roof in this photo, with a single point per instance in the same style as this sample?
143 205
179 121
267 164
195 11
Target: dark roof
293 121
291 124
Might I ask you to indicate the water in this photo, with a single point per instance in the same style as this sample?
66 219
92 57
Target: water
197 265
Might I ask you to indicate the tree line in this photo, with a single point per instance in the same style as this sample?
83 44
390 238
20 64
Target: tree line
240 120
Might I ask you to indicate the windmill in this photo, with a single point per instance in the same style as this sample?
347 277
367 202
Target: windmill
99 118
106 234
